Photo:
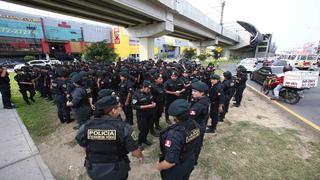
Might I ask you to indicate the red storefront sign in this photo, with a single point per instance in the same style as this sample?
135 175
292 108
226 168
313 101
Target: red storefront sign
116 32
64 25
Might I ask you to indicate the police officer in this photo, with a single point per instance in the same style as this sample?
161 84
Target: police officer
125 93
174 88
143 103
199 110
59 90
80 101
5 88
107 141
158 94
228 86
24 81
241 79
178 143
217 101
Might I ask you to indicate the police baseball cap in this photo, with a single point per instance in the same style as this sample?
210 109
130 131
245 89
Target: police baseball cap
178 107
146 84
157 75
215 76
107 102
174 73
200 86
105 92
124 74
77 77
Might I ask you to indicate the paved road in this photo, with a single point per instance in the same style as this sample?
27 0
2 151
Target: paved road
309 105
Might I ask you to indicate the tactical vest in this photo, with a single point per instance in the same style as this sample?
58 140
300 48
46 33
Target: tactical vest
104 141
56 87
191 132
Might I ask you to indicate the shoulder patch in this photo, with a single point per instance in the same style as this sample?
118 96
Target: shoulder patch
167 143
134 136
192 113
219 94
88 90
134 101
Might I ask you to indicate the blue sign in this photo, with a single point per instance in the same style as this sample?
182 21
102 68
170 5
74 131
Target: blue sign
63 34
9 28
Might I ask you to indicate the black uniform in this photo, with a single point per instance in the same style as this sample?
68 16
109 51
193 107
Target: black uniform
229 89
241 80
107 141
125 88
59 91
171 85
5 91
24 88
178 144
199 111
216 98
145 117
81 108
158 94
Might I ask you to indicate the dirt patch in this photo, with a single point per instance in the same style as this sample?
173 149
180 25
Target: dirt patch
256 140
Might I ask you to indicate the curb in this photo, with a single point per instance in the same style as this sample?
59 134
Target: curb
299 117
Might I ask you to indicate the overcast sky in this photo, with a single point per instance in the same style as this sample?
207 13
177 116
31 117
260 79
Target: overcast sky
292 22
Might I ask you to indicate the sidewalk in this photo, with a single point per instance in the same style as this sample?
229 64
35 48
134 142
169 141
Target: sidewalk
19 157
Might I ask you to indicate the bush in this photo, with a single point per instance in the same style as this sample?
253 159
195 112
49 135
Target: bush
189 53
29 58
203 56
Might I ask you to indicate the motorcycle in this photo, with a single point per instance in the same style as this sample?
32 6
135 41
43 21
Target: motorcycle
286 94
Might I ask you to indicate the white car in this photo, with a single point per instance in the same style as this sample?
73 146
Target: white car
54 61
250 64
18 66
39 63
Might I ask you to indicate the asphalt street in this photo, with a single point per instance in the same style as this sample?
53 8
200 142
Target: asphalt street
309 105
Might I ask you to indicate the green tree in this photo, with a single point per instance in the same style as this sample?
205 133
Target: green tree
189 53
29 58
100 51
203 56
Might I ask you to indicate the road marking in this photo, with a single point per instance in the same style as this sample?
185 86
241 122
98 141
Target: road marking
310 123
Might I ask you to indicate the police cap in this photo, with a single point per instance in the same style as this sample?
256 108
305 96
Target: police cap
178 107
146 83
77 77
215 76
157 75
107 102
105 92
200 86
124 74
174 73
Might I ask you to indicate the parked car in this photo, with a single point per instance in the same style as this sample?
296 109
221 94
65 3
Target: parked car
54 61
280 63
19 66
39 63
302 62
250 64
261 74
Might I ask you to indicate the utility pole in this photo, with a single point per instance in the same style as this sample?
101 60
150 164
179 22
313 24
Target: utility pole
221 17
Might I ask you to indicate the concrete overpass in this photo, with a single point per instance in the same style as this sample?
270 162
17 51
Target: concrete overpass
145 19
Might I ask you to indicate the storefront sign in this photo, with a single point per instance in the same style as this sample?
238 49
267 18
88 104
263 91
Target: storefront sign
9 28
117 35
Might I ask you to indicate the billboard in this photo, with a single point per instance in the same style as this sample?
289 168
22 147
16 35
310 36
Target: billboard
63 34
21 29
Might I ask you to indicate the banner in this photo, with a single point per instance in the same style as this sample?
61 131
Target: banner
9 28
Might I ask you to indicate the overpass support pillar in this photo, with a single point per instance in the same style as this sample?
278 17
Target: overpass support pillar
146 48
227 53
